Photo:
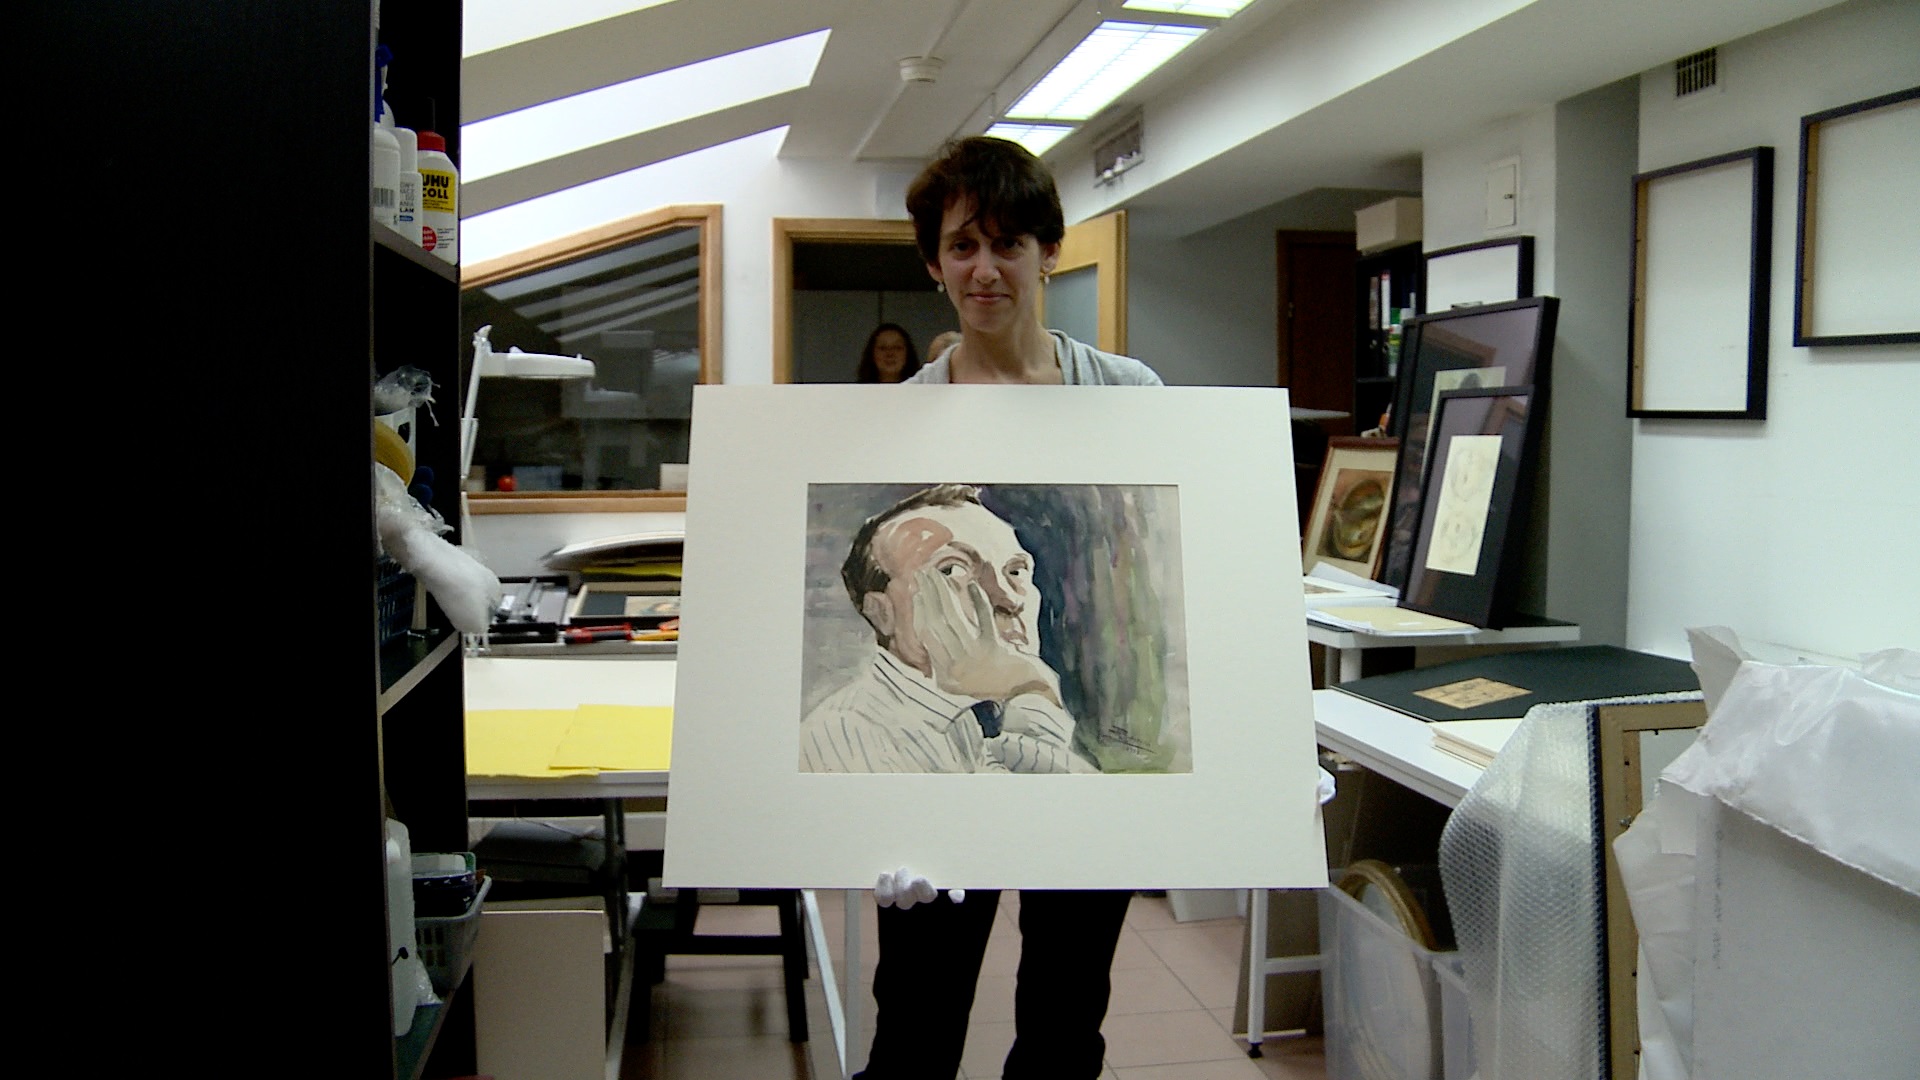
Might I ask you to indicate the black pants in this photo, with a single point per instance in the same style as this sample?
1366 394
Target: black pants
930 962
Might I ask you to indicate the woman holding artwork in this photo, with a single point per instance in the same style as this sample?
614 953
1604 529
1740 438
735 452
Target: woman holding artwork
988 223
888 356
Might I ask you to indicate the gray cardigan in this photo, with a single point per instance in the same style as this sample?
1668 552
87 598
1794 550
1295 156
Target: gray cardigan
1080 365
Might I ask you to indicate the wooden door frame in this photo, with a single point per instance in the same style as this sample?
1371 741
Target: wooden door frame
1102 242
790 231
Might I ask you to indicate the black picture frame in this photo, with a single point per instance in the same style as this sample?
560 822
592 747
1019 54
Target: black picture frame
1473 507
1871 242
1513 270
1510 343
1713 242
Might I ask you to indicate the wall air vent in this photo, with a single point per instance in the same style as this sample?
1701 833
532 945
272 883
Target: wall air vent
1697 72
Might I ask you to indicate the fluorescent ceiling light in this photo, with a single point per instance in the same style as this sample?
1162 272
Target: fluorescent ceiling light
1101 68
1213 9
1037 138
486 25
556 128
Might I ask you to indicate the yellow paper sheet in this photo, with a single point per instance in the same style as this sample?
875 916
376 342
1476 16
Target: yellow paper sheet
517 742
617 738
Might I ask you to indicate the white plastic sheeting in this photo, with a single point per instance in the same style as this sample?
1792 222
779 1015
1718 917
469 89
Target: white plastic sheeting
1775 880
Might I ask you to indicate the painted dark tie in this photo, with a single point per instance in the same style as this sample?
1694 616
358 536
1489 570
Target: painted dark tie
988 713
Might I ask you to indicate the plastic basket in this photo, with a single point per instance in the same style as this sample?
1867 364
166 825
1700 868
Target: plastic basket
446 944
1456 1017
1382 1007
395 590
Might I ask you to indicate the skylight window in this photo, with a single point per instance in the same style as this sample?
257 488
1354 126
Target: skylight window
1101 68
486 25
1037 138
1214 9
556 128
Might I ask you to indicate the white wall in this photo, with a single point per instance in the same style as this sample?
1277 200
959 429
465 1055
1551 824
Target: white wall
1575 163
1453 176
1802 530
1200 308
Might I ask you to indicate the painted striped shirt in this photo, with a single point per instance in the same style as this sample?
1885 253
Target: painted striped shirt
892 719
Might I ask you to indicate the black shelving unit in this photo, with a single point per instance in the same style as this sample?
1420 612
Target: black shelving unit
245 736
1374 372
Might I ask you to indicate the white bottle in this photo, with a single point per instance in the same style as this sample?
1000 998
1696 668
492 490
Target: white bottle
386 175
406 211
439 199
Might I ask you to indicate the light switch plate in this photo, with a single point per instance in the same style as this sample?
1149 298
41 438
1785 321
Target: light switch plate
1503 194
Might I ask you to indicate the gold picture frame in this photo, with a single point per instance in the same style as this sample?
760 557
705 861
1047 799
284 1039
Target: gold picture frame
1347 527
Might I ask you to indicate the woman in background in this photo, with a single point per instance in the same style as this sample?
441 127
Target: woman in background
888 356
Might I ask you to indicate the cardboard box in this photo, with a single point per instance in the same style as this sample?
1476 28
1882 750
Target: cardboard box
1387 225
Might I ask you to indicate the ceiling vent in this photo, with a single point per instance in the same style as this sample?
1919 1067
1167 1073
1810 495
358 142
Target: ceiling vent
1117 152
1692 74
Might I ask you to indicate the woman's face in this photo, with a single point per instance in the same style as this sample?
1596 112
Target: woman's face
993 281
890 354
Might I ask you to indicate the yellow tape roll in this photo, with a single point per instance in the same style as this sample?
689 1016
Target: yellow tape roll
391 450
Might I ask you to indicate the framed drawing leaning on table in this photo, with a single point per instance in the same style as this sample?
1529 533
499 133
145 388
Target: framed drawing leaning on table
1347 527
1016 636
1473 505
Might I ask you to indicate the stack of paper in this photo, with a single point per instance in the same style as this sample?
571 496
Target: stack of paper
1475 742
569 742
1329 592
1378 618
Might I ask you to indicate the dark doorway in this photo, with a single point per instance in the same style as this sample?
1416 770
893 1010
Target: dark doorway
1316 322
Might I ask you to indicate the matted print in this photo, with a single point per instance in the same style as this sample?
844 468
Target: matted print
1009 637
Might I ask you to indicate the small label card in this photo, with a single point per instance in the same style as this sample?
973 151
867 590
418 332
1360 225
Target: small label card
1471 693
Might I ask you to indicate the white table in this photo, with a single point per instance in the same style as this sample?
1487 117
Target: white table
1345 646
535 681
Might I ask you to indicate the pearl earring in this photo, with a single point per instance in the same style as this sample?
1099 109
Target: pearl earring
939 286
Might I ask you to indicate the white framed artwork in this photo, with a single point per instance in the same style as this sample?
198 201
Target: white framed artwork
1009 637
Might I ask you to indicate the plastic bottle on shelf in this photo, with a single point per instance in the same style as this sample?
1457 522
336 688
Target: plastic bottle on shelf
386 176
439 199
406 211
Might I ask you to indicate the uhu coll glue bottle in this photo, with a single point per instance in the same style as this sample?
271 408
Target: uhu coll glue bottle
439 199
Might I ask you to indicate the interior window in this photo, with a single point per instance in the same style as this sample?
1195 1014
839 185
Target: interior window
636 301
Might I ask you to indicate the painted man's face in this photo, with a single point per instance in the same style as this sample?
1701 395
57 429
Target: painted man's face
969 551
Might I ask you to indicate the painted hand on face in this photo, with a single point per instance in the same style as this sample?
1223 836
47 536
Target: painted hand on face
964 646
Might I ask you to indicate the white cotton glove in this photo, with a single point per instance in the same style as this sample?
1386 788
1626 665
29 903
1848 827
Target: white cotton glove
1326 786
903 889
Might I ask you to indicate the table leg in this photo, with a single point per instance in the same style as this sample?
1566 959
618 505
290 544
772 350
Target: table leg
1256 970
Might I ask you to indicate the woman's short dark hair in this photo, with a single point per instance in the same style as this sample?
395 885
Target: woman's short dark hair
870 371
1011 191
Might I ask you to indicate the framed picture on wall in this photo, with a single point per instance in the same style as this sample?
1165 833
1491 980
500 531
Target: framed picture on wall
1483 347
1347 526
1489 272
1858 251
1473 505
1702 258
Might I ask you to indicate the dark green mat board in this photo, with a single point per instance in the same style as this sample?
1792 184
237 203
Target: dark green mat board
1573 673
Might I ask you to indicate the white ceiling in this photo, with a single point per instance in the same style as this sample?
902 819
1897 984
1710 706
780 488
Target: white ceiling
858 108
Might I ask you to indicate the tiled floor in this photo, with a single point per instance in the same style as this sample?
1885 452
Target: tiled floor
1170 1018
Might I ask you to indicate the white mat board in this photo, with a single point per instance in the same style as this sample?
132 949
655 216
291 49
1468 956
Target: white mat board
1488 275
1241 814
